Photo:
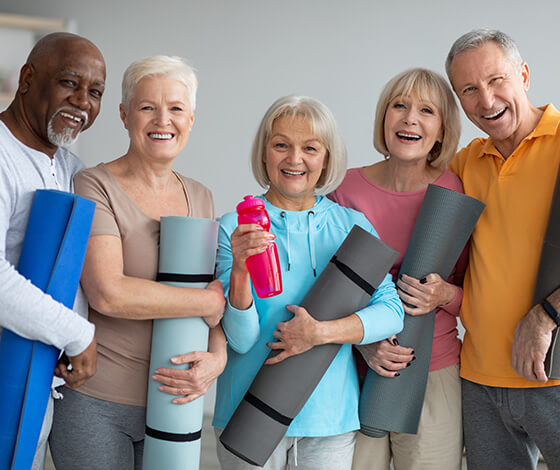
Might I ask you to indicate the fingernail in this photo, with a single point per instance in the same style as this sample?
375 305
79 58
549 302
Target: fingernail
174 360
400 276
397 374
412 352
408 365
395 341
423 280
413 359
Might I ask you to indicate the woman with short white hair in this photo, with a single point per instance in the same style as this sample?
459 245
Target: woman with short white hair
101 424
298 156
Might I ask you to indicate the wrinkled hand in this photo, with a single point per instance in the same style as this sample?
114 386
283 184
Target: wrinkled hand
295 336
216 305
248 240
83 366
424 296
531 341
190 384
387 357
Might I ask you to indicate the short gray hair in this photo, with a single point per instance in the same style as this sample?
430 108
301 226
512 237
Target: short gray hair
323 125
426 85
159 65
479 37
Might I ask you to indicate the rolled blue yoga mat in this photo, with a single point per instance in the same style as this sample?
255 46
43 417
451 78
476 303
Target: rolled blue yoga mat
279 391
51 258
187 255
442 229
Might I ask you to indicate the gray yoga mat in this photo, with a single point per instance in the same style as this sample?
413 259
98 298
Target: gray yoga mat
548 276
280 391
442 229
187 255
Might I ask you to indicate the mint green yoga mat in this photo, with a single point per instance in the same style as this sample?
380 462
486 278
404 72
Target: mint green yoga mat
442 229
187 255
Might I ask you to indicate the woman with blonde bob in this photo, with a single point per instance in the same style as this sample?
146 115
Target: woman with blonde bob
298 155
417 130
102 423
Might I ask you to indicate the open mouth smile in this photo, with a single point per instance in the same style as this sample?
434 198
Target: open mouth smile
160 135
407 136
496 115
293 173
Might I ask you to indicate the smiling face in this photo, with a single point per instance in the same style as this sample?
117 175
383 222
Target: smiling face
493 93
294 158
159 118
62 89
412 126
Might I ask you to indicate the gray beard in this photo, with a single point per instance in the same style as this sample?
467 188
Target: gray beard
65 138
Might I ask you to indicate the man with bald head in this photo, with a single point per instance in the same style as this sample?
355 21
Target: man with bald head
58 96
510 409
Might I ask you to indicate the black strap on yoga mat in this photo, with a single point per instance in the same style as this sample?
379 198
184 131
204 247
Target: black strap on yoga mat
267 410
353 276
187 278
173 437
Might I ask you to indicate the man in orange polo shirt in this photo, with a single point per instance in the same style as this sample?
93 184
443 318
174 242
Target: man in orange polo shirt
510 409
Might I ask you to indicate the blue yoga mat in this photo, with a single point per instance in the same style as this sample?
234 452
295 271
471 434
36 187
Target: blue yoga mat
51 258
187 255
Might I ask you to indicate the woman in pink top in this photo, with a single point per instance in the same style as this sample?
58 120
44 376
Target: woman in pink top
417 130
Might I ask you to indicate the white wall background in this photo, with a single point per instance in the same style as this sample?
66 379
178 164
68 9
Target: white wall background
250 52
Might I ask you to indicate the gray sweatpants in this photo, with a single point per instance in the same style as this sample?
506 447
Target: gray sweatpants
504 428
298 453
93 434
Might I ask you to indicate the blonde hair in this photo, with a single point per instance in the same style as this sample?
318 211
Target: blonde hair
425 85
159 65
324 127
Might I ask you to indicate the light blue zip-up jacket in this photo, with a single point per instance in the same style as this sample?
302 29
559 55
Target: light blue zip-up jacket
306 241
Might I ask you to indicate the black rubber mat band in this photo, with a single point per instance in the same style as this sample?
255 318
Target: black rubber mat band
353 276
267 410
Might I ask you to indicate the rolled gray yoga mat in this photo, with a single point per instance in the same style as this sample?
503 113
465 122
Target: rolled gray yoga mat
442 229
187 255
280 391
548 277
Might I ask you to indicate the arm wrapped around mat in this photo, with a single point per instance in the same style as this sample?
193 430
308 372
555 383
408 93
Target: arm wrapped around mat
442 229
51 257
548 277
280 391
187 255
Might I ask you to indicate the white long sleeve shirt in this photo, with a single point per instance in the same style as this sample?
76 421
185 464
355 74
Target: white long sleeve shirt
24 308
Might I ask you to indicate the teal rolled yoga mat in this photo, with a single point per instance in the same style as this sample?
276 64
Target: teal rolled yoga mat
442 229
279 391
187 256
548 276
51 258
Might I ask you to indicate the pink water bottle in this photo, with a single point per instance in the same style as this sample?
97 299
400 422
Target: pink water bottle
264 268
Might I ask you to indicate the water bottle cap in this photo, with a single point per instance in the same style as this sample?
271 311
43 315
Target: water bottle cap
249 201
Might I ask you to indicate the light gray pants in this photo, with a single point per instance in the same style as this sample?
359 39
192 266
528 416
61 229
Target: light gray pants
93 434
298 453
504 428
